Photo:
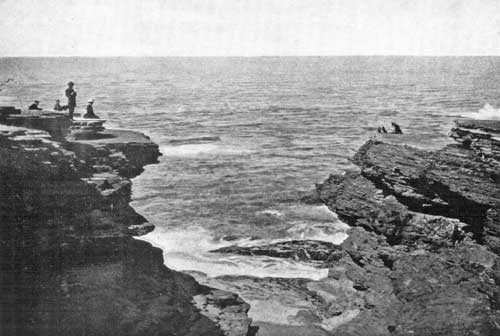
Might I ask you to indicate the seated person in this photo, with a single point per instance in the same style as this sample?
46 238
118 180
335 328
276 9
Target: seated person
381 130
397 129
90 111
58 107
34 106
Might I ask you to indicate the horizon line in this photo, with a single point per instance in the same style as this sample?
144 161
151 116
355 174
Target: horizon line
246 56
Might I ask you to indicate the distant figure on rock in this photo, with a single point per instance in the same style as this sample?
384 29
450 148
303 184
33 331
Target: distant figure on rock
58 107
90 111
34 106
457 235
71 94
381 130
397 129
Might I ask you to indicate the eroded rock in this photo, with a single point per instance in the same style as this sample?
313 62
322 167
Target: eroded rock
313 250
424 252
69 263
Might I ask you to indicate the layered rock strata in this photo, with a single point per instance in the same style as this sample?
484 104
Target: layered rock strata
56 124
435 218
69 262
422 256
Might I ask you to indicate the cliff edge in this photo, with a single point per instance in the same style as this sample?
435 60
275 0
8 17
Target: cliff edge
424 247
422 254
70 264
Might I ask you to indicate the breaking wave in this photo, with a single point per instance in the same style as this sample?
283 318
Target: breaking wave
486 112
188 250
189 150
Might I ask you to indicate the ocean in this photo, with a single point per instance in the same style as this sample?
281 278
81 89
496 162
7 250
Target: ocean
244 140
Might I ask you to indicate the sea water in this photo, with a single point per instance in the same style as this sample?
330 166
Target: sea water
244 140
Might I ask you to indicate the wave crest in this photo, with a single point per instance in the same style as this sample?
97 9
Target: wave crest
486 112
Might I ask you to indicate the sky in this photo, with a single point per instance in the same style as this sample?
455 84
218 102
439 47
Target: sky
248 27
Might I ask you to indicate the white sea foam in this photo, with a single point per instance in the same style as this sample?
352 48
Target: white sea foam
321 231
190 150
273 213
311 222
486 112
188 251
313 212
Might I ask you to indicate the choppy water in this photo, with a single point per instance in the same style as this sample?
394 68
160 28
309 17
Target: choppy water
244 139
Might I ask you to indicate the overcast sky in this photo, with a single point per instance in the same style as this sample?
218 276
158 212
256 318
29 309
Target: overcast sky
248 27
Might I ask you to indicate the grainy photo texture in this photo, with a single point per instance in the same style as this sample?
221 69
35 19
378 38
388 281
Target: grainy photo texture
250 167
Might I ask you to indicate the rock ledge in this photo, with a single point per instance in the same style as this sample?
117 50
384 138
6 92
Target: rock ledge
70 264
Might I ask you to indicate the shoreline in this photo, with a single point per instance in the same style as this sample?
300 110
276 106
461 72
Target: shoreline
71 263
422 252
421 256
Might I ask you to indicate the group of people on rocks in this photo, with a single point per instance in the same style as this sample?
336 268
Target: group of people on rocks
396 129
71 95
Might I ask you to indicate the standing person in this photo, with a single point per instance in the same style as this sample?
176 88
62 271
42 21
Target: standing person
71 94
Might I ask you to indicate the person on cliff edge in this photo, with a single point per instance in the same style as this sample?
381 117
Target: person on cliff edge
396 128
59 107
35 106
90 111
71 94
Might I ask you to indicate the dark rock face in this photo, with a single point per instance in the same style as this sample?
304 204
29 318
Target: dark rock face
421 258
454 182
359 202
443 293
226 310
69 263
310 250
425 248
482 136
121 151
449 291
442 183
56 124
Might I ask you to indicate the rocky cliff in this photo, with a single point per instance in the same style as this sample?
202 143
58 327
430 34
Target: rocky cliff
422 255
425 242
69 262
